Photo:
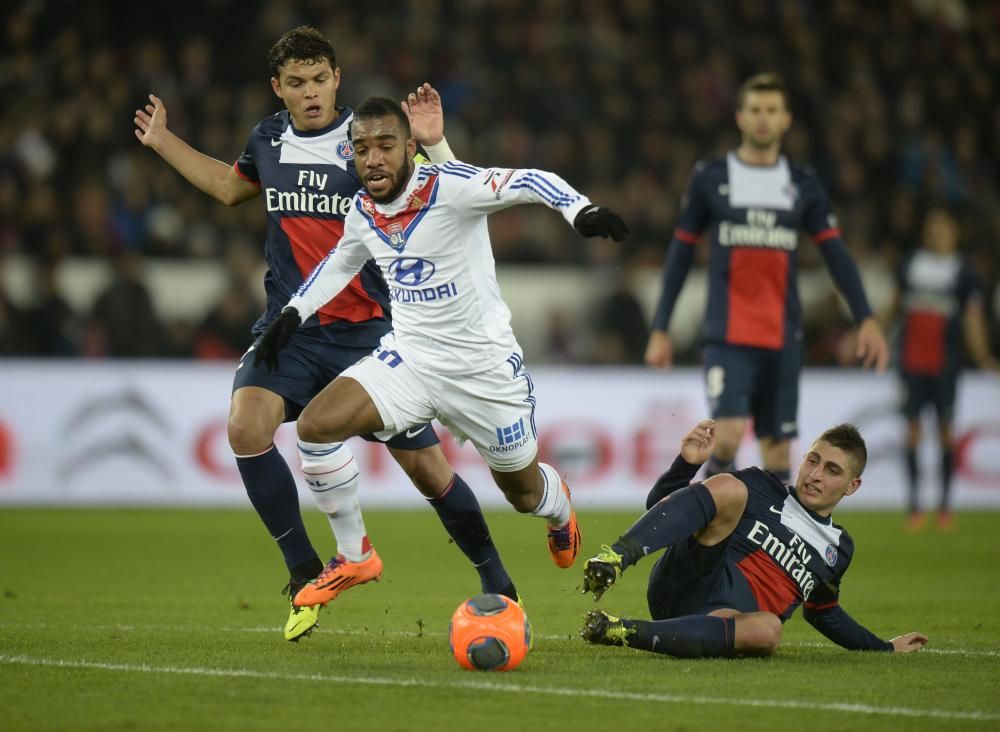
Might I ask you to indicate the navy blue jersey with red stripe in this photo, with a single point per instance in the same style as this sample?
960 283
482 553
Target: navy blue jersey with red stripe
935 291
787 554
752 216
307 182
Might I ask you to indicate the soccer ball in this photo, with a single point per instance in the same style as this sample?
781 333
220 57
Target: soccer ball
489 633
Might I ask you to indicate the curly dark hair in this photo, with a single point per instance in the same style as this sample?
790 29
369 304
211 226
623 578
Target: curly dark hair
383 107
304 43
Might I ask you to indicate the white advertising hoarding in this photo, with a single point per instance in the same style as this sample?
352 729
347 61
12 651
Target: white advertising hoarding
136 433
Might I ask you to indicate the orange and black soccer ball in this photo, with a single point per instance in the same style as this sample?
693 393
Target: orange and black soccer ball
489 633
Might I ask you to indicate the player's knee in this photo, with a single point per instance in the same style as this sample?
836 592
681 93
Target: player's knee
763 636
248 436
427 469
331 472
311 427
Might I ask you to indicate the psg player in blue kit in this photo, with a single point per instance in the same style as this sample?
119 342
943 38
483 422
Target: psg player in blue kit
300 162
751 205
743 551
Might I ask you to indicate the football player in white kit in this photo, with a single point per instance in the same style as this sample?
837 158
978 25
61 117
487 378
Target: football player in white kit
452 354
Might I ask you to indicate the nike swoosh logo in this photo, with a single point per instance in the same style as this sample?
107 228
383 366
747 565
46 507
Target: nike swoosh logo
275 143
414 433
775 510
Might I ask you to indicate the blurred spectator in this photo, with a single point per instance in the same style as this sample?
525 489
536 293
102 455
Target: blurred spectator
225 332
55 328
123 323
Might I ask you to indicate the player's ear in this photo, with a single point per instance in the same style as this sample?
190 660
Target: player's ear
336 78
276 87
411 148
853 487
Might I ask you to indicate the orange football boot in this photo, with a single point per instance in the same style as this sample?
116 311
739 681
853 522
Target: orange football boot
339 575
564 543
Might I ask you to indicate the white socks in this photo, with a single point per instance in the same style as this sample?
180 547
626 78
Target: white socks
555 505
333 476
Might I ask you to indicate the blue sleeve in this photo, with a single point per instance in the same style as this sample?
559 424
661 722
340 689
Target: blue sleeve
245 166
680 474
834 622
693 220
820 223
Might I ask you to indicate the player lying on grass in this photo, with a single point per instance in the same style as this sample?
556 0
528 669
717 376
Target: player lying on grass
743 552
452 354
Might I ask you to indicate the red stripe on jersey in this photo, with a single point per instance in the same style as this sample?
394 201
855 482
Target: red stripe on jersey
923 343
772 588
821 606
236 167
822 236
686 236
758 285
312 240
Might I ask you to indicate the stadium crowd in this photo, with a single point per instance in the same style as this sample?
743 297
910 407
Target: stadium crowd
895 105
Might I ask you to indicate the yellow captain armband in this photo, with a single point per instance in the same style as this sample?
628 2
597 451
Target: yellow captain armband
420 159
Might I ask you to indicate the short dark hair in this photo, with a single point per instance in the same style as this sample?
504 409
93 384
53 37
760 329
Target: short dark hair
383 107
765 82
304 43
846 437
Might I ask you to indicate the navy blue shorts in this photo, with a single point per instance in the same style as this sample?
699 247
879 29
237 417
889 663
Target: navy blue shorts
743 381
308 363
919 390
691 579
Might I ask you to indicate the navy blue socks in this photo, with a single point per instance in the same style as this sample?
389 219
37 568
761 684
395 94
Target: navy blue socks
462 517
690 636
271 488
676 517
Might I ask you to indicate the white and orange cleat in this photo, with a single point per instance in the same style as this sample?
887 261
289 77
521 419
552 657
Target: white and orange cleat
564 542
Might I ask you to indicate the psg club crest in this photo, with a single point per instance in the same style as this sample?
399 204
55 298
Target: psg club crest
345 150
830 554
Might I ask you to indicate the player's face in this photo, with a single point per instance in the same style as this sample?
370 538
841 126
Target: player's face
826 475
940 232
383 156
309 91
763 119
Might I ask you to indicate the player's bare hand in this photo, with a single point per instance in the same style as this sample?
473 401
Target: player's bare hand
151 122
659 350
908 642
872 349
697 445
423 108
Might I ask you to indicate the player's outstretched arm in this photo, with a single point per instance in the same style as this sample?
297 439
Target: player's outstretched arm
212 176
659 350
872 350
908 642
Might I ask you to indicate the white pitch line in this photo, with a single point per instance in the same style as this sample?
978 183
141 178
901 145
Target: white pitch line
431 634
510 688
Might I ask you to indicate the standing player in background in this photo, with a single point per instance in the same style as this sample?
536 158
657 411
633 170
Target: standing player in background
452 354
743 551
302 162
938 297
753 203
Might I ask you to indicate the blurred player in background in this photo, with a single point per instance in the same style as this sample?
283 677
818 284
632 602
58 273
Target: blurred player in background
743 551
753 203
939 297
301 162
452 354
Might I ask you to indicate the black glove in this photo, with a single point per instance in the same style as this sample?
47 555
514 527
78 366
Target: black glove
275 338
600 221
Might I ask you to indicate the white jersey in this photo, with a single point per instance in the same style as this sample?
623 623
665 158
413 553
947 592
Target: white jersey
433 248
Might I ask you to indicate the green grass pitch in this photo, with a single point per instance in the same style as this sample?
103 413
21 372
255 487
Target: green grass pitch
171 620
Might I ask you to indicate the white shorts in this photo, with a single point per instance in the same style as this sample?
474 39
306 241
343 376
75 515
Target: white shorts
495 409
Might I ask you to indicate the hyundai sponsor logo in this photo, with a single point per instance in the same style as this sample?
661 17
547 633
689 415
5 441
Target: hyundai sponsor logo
411 271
